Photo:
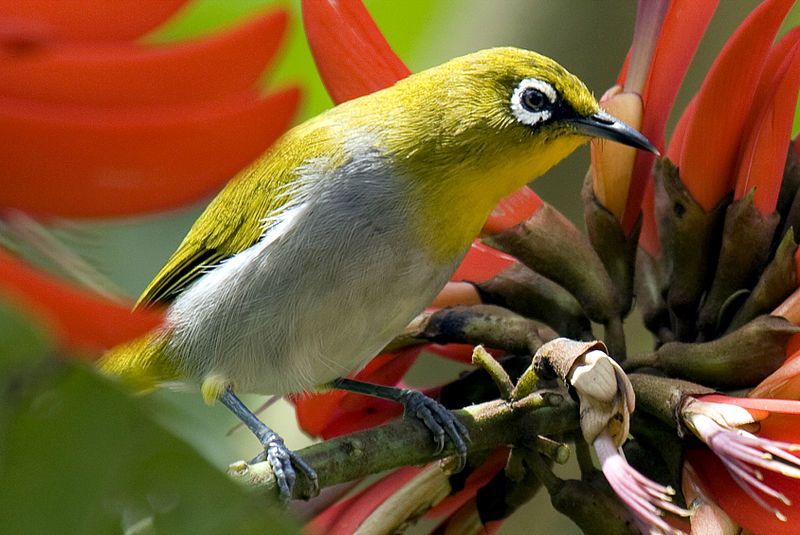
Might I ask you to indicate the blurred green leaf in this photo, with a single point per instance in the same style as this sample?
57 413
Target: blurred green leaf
21 339
77 455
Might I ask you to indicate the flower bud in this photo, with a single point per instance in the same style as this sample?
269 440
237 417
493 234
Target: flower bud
612 163
777 282
746 238
739 359
605 394
688 235
526 292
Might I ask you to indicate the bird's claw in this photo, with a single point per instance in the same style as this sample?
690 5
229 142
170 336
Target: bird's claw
285 463
440 421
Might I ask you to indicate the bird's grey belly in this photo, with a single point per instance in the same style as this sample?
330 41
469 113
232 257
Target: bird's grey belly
298 310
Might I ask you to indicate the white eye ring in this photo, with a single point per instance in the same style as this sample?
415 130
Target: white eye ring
524 115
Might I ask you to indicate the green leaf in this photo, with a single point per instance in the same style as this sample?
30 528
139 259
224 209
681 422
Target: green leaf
77 455
21 339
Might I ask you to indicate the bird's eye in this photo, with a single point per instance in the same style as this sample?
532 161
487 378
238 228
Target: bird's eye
533 100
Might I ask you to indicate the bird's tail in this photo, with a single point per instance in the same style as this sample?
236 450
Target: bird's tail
141 363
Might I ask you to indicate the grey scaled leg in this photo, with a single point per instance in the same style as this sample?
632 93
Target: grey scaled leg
283 460
438 419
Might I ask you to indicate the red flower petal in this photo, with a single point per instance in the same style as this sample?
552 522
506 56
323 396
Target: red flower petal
681 32
713 137
648 239
84 20
477 479
352 56
623 73
457 352
782 383
744 511
346 516
678 139
482 263
456 294
80 322
375 412
782 427
512 210
127 74
336 412
785 406
126 161
768 128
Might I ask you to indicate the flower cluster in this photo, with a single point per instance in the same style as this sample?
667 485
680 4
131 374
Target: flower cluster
701 281
700 240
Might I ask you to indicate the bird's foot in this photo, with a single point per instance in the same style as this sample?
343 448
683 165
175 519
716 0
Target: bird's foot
285 464
439 420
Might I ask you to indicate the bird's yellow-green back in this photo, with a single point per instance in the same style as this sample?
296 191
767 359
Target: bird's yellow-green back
450 128
448 139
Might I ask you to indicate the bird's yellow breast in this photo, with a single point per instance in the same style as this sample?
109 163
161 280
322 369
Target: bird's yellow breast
450 218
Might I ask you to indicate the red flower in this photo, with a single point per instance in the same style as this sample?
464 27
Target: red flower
83 20
682 28
708 162
78 322
753 477
346 516
97 125
722 146
717 141
120 129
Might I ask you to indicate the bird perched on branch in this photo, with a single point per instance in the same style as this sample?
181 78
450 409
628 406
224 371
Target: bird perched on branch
318 254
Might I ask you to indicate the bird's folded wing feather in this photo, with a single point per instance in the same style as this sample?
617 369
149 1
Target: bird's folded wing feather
233 221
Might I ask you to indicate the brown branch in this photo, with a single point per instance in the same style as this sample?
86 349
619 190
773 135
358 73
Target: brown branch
407 442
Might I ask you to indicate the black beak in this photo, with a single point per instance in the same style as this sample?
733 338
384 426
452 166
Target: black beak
606 126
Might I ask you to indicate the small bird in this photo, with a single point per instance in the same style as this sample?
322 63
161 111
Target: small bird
312 259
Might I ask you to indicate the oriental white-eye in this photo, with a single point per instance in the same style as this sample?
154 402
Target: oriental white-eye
312 259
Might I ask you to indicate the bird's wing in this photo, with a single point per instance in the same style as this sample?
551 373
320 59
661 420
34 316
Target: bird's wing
233 221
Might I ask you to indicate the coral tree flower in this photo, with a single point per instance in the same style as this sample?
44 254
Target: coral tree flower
97 124
655 83
727 142
723 147
752 476
120 128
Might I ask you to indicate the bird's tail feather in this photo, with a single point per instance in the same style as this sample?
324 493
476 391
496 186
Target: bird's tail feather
141 363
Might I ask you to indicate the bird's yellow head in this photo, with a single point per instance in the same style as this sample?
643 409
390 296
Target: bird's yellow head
480 126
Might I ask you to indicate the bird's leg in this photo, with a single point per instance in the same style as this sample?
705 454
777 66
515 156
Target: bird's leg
283 460
438 419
